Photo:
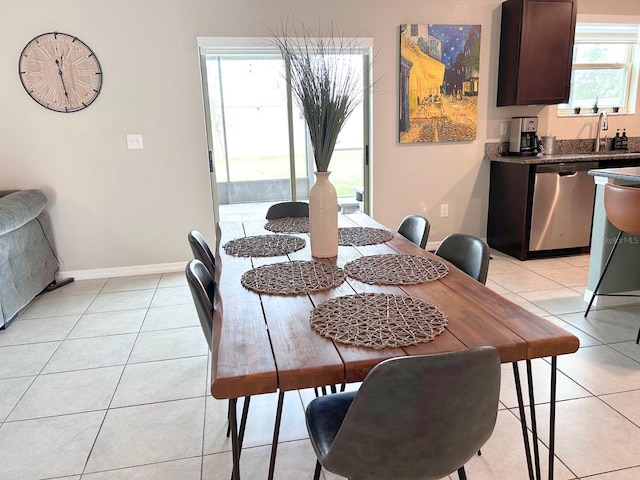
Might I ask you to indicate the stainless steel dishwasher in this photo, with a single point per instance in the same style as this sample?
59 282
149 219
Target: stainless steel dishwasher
562 211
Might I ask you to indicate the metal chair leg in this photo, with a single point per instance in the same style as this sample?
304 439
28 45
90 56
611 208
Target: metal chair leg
604 270
461 473
316 473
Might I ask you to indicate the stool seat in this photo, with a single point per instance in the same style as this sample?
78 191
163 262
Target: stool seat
622 205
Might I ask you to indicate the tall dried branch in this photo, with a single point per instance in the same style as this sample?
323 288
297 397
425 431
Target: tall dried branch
326 87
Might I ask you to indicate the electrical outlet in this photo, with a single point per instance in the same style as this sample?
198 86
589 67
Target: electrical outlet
504 129
134 141
444 210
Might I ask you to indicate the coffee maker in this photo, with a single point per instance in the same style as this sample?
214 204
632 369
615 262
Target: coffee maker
522 136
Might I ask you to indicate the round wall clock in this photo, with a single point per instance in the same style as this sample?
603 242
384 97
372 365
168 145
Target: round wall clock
60 72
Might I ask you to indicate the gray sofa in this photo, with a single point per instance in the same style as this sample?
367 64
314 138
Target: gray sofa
28 262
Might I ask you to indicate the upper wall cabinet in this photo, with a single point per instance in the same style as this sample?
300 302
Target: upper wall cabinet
536 48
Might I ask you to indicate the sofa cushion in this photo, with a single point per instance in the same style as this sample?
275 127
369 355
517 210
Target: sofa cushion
19 208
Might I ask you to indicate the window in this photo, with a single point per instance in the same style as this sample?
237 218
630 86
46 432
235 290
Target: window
605 68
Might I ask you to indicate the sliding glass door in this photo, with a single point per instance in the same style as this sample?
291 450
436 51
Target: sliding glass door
258 143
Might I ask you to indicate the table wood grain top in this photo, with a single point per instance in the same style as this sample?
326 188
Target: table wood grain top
264 343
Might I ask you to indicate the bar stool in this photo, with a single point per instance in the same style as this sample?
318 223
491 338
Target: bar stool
622 206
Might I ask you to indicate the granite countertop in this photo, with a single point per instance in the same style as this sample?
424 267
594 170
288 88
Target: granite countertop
566 151
624 173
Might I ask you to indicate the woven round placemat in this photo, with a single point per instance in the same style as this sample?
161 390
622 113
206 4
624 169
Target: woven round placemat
359 236
293 278
288 225
393 269
378 320
264 245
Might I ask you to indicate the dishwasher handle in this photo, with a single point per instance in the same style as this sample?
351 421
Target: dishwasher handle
565 169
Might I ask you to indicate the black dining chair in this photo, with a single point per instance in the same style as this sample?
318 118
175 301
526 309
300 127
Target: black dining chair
201 251
415 228
470 254
288 209
203 287
413 418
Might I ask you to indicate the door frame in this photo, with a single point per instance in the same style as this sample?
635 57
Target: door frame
224 45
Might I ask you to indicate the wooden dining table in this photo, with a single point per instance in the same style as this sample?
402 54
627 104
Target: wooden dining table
264 343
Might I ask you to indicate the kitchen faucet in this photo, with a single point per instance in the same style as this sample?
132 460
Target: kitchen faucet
602 126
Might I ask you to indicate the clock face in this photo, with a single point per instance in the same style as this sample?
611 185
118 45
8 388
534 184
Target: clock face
60 72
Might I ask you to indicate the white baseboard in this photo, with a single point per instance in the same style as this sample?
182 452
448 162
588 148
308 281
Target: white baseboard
123 271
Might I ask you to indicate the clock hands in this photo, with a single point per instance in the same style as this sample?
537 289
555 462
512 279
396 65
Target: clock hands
59 64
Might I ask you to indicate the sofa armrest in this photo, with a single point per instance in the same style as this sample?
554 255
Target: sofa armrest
19 208
7 192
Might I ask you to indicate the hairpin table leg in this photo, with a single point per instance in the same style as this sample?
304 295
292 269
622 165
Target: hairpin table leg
276 433
523 420
552 415
233 421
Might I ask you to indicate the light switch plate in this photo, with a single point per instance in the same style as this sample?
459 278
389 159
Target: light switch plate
134 141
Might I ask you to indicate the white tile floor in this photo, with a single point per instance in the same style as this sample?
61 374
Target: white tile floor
107 379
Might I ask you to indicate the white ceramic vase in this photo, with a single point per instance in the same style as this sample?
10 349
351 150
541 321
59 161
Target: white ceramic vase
323 217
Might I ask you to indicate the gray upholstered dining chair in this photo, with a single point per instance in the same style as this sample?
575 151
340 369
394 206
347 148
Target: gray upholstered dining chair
203 287
415 228
413 418
288 209
470 254
201 251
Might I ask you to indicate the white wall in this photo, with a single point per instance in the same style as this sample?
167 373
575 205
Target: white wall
114 208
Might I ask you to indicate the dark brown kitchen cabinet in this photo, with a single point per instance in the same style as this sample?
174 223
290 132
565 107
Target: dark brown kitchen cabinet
536 50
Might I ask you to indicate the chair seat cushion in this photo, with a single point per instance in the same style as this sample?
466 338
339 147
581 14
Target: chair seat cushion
324 417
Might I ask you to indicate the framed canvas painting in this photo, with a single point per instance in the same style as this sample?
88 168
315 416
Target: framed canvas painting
439 75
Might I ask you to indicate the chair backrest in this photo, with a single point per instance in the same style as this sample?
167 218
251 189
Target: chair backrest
416 229
622 205
201 251
470 254
419 417
288 209
202 288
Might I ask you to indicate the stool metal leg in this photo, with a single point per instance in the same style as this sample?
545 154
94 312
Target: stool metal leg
604 270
